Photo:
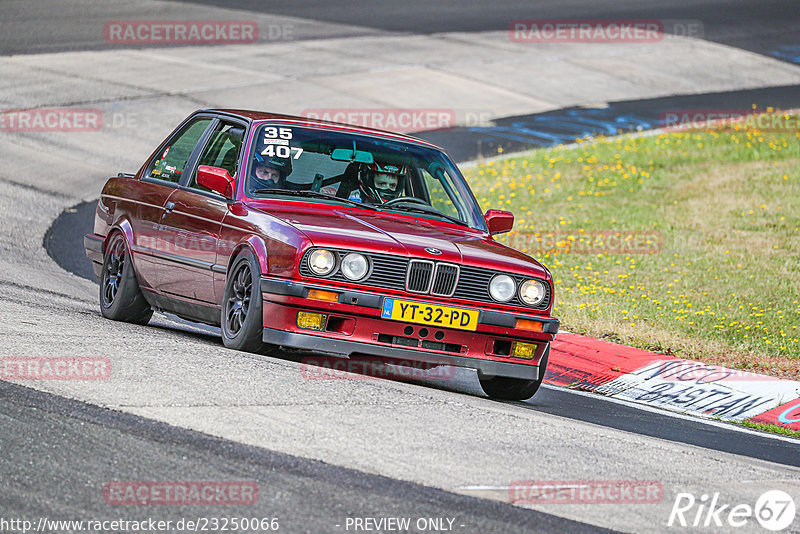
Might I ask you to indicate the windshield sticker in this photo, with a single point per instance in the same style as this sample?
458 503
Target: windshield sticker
281 151
166 151
328 190
271 132
276 142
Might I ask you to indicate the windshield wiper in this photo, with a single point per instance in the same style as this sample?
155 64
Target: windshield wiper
314 194
419 208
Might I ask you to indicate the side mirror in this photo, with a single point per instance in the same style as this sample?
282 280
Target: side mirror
216 179
499 221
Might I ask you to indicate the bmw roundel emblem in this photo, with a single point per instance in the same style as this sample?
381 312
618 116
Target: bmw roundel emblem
434 251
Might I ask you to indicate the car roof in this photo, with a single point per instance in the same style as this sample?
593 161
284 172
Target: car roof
257 116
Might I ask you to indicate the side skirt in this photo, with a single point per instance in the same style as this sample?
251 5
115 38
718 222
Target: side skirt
185 309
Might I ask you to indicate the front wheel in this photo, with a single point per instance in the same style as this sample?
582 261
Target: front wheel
516 389
120 296
242 320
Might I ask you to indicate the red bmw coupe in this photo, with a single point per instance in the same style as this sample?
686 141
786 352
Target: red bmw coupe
336 239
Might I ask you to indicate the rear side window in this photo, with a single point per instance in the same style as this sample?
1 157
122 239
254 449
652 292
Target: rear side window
170 164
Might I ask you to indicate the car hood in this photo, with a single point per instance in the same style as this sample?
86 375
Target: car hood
362 230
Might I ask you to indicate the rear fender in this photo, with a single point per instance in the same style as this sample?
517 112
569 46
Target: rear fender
122 226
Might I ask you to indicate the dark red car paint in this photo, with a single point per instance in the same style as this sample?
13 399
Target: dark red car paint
183 242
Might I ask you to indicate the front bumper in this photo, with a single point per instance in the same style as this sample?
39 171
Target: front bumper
361 331
344 347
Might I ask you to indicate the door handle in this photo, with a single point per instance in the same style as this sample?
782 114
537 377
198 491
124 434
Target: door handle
168 207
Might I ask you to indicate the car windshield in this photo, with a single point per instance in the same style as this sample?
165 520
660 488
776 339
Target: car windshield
333 167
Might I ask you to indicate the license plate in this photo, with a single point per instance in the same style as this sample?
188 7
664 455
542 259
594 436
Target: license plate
429 314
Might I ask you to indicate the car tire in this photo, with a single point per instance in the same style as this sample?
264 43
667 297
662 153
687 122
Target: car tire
514 389
121 299
241 319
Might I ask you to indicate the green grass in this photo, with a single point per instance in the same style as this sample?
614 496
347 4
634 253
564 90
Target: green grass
720 279
766 427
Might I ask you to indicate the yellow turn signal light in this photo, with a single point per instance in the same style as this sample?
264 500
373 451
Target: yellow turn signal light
327 296
311 321
528 324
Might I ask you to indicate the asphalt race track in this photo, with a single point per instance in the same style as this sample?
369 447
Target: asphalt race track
181 407
762 27
305 495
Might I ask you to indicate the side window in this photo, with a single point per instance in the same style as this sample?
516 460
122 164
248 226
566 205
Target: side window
438 195
222 150
169 165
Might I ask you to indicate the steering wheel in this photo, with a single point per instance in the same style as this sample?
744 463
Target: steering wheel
410 200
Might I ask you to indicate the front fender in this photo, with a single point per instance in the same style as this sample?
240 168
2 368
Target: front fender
257 247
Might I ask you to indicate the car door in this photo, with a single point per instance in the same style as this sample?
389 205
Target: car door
159 180
190 226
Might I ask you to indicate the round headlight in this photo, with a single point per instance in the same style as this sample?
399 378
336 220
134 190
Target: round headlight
354 266
322 262
532 292
502 288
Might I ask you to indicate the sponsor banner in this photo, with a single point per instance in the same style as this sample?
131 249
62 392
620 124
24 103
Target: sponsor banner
161 32
686 386
55 368
51 120
695 388
692 371
786 415
586 492
186 493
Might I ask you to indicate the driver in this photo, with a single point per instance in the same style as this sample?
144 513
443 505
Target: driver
379 183
270 173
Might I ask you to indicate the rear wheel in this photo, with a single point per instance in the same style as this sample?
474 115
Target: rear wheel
517 389
120 296
242 320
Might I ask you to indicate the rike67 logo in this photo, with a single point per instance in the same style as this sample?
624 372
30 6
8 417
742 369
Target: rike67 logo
774 510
